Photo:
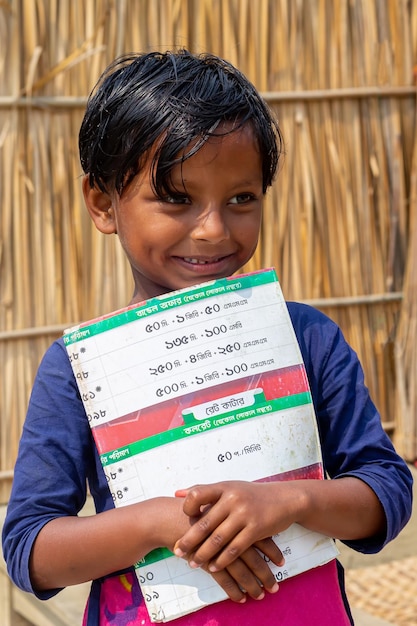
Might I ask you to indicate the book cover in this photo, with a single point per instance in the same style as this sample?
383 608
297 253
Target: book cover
197 386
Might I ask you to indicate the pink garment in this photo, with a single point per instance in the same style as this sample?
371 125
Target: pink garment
311 598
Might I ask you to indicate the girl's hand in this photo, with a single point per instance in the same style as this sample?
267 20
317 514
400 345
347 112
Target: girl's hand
228 518
247 575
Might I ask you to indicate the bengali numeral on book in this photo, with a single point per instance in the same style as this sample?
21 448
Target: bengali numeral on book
162 368
236 369
146 578
155 326
177 342
168 390
215 330
231 347
280 576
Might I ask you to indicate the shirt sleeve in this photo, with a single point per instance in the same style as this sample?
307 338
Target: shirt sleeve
56 458
353 440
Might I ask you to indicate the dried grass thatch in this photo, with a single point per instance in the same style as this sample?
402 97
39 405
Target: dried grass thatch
339 224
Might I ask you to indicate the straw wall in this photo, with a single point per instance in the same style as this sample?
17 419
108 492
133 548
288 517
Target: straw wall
340 224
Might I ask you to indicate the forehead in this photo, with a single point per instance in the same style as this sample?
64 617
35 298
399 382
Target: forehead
231 152
232 156
228 142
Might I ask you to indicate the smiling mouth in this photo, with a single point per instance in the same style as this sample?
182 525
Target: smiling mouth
194 261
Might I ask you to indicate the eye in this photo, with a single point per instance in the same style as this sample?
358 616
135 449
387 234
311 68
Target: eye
242 198
176 199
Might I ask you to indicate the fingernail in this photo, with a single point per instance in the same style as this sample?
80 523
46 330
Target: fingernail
178 552
261 597
213 569
243 600
193 564
274 588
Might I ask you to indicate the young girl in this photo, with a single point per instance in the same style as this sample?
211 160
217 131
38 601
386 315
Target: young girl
178 152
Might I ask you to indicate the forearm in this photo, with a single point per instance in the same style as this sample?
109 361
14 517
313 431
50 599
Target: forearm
344 508
72 550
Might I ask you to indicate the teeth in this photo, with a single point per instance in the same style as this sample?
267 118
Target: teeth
197 261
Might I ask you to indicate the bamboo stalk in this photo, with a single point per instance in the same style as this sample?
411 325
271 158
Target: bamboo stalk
339 223
297 95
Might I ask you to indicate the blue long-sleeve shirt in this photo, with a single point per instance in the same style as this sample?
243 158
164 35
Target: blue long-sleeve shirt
58 458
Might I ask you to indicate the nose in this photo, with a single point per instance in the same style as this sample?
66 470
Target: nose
211 226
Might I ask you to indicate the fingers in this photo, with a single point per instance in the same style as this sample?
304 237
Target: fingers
237 547
246 579
230 586
220 513
198 496
225 524
208 538
269 548
259 568
207 524
248 575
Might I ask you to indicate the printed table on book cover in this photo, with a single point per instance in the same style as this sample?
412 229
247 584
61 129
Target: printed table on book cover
200 385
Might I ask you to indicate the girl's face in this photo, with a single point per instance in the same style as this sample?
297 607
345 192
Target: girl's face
209 229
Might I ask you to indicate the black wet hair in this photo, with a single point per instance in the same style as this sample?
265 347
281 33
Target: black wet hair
176 99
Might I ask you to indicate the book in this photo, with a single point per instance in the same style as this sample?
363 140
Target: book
200 385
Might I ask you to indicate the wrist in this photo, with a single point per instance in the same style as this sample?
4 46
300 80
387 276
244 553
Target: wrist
298 501
165 521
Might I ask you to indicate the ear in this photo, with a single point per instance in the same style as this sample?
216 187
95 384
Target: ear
99 206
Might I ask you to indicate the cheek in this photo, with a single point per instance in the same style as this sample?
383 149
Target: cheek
247 229
152 238
164 230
